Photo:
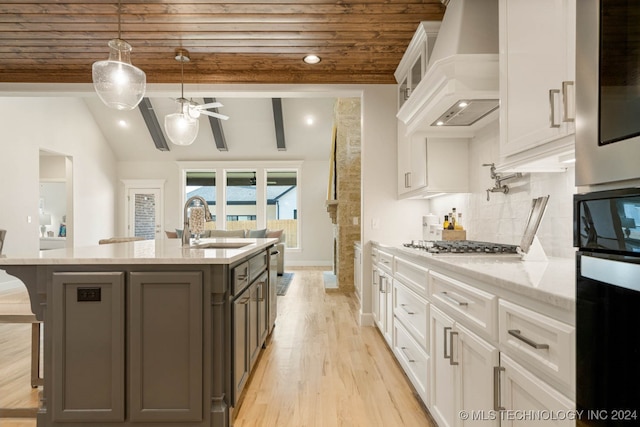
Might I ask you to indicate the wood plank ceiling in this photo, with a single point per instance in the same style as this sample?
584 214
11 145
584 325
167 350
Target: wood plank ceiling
238 41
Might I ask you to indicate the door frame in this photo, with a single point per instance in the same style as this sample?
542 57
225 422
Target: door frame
142 184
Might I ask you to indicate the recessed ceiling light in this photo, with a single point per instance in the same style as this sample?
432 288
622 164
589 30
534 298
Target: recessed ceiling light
462 104
309 120
123 123
311 59
440 123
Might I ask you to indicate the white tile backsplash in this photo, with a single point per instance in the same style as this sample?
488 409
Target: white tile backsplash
502 219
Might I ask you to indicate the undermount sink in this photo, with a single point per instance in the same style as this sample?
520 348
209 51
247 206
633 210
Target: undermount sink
218 245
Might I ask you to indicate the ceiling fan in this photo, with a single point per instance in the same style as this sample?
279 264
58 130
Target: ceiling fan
194 109
252 181
189 106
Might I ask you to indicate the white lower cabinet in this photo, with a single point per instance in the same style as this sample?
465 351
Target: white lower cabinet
524 396
413 360
384 310
474 358
375 294
443 393
462 373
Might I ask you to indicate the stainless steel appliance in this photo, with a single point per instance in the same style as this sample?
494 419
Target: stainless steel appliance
607 234
529 247
462 246
273 288
607 91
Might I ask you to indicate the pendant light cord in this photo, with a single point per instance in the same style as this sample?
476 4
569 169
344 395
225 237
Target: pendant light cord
181 75
119 13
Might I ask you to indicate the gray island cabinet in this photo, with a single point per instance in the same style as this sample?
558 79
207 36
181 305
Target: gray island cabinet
145 333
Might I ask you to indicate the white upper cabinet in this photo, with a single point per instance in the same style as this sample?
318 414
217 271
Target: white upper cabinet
537 72
414 62
448 78
431 165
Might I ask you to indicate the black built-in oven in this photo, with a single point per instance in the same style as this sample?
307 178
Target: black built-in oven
607 234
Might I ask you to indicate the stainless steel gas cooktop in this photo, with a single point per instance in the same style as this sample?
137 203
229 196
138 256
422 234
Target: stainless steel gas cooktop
462 247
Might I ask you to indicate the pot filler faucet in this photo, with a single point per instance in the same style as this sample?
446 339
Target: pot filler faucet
499 187
186 231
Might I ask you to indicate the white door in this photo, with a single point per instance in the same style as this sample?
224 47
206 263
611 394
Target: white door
144 213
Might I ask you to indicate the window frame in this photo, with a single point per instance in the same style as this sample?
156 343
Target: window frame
261 168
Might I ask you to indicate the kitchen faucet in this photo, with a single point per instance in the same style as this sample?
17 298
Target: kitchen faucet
499 187
186 231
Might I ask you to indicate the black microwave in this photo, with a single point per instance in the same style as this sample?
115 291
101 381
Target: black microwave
607 91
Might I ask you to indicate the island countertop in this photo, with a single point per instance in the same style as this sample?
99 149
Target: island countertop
165 251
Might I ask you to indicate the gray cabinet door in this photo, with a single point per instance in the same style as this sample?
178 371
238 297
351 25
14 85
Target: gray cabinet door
87 329
165 346
240 354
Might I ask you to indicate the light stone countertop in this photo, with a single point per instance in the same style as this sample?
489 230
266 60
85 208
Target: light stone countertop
551 282
165 251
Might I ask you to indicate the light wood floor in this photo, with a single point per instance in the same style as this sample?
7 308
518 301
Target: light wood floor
319 368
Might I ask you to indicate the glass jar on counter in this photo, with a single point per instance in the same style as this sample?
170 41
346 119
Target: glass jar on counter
196 220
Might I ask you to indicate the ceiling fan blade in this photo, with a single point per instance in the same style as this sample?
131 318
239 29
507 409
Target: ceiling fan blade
216 115
209 105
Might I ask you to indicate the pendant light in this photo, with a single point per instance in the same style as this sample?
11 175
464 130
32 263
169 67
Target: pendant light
181 127
119 84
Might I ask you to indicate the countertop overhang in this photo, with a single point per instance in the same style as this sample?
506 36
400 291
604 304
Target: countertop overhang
166 251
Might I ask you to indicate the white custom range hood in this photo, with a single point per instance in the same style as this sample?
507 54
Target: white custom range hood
459 93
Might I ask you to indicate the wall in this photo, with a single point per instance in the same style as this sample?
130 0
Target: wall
63 126
385 219
502 219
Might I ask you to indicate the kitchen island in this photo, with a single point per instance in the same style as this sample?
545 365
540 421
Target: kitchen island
140 333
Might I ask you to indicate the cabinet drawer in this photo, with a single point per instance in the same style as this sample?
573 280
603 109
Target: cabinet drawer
414 360
545 343
477 309
240 276
413 312
257 265
385 261
413 276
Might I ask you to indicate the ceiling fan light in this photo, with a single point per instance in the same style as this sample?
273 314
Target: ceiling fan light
180 128
119 84
193 112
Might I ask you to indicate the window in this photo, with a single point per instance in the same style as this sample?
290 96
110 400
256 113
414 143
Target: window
253 195
203 184
282 204
241 200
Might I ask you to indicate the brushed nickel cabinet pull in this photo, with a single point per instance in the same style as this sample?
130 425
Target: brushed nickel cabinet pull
496 388
408 179
404 307
516 333
453 300
552 99
451 334
407 355
565 103
446 329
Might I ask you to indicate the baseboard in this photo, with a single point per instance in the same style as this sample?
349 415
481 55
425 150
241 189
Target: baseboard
306 263
366 319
